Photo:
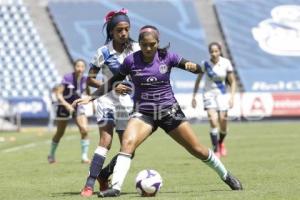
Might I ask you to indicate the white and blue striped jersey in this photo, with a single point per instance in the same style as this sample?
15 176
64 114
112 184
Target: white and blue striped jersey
108 60
215 75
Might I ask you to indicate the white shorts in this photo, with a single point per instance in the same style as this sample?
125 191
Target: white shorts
114 110
219 102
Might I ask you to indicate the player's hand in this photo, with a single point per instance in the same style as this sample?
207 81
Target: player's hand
81 101
190 66
70 108
231 102
194 103
123 89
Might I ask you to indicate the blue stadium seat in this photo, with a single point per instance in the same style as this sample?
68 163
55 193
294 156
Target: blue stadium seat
26 66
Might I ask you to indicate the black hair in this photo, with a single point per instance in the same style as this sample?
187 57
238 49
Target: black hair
79 60
215 44
162 52
109 26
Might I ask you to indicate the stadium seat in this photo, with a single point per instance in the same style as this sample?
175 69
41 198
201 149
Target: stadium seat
26 61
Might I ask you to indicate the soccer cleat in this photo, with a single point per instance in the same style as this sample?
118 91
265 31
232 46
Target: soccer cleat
233 182
51 159
222 149
103 184
86 191
109 193
86 161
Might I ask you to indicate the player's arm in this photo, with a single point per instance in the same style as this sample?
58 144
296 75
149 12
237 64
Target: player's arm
103 89
59 95
195 91
197 83
91 80
189 66
232 82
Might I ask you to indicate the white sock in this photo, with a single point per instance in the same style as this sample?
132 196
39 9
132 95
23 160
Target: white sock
120 170
214 162
84 148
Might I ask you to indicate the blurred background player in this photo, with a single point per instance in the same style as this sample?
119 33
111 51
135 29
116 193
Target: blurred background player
155 106
112 109
218 72
71 88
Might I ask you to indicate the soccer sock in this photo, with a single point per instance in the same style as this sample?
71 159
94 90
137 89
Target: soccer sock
96 165
214 162
108 169
222 137
53 147
214 139
84 148
121 169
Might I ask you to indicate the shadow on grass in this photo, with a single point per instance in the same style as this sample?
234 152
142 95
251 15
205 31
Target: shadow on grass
63 194
129 194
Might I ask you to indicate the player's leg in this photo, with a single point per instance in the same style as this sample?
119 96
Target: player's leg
185 136
105 120
61 123
82 123
214 132
210 105
106 135
223 118
136 132
106 172
121 120
60 130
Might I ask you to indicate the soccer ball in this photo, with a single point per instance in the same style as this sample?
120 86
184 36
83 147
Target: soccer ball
148 182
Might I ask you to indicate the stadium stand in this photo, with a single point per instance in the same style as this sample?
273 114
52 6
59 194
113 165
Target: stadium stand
27 72
82 33
10 119
26 68
264 41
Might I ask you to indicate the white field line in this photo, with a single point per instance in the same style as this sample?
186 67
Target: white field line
34 144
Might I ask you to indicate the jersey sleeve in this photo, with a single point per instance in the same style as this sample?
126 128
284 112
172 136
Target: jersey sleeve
229 66
125 67
174 59
66 79
98 59
202 65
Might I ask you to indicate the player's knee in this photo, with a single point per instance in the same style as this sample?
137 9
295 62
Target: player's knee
128 145
83 129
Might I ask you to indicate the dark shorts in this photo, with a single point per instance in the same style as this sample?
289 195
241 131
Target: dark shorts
168 119
63 113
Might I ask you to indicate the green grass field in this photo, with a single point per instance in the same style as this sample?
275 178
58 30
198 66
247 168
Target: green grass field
265 156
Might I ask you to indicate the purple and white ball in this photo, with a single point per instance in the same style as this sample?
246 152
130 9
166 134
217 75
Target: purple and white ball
148 182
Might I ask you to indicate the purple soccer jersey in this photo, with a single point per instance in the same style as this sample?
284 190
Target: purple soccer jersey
73 88
152 88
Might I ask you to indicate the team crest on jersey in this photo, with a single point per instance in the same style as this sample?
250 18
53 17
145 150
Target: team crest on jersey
163 69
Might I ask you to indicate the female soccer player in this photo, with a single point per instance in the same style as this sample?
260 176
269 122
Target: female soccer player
112 109
71 88
155 106
215 98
